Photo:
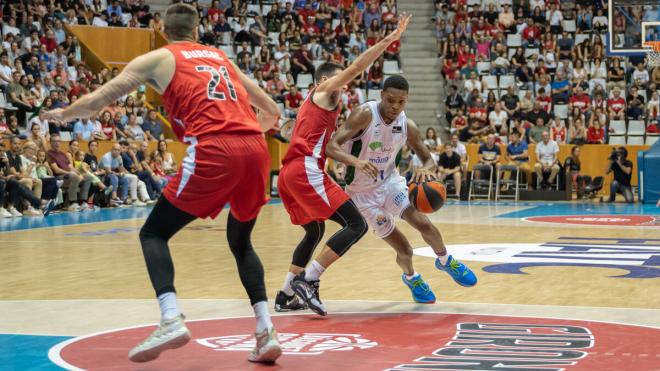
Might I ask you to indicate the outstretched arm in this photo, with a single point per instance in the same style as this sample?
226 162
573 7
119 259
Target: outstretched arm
358 120
415 142
364 60
140 70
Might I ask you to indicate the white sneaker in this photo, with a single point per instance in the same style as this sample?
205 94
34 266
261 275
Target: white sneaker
4 213
83 207
31 211
14 212
171 334
268 347
150 202
139 203
73 207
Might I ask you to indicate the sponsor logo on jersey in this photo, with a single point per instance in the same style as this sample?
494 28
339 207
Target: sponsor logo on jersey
640 257
380 220
375 145
379 160
399 198
397 129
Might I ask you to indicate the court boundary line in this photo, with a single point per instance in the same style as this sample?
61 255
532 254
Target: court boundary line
54 353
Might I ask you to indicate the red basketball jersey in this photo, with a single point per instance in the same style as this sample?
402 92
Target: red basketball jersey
206 95
314 127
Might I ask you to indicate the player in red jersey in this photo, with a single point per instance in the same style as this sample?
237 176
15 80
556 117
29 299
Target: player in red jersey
208 100
309 195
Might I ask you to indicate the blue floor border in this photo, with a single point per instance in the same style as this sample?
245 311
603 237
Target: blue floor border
28 352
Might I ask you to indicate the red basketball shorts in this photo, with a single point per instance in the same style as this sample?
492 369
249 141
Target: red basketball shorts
218 170
308 193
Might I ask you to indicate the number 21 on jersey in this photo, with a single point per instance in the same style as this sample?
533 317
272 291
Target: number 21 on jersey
216 77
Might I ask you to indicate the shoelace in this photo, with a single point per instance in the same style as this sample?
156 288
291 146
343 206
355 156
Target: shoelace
421 284
454 266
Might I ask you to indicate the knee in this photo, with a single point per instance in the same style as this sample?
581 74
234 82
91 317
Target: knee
537 167
359 227
146 234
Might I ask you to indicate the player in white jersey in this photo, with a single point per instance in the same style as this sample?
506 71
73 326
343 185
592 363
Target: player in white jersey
376 132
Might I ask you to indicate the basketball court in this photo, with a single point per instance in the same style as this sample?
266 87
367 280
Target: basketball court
561 286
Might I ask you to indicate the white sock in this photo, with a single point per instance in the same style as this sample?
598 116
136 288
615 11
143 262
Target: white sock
443 258
314 271
262 316
168 306
415 274
287 284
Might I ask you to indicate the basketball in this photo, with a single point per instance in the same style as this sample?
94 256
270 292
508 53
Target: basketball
427 197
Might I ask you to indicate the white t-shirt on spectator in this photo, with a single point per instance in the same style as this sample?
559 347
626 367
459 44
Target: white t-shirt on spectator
554 18
471 85
6 29
43 125
498 120
6 70
642 76
547 153
460 149
98 22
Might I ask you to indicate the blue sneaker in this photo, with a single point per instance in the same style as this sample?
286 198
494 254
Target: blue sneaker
421 292
461 274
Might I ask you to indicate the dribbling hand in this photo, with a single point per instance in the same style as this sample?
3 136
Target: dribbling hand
422 175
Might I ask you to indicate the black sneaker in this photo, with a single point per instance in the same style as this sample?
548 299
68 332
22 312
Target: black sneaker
286 303
308 291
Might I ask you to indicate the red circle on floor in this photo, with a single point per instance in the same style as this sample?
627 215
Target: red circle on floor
385 342
605 220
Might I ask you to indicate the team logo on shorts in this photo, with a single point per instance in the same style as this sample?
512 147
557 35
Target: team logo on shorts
380 220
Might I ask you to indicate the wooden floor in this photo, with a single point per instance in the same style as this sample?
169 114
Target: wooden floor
95 263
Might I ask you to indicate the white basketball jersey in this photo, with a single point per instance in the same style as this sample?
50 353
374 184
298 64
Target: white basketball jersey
379 144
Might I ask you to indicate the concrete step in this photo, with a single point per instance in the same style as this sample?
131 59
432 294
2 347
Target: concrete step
434 91
420 34
413 8
409 46
415 54
437 85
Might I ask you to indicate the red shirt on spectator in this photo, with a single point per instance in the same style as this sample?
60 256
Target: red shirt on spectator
652 128
51 44
310 29
268 69
583 102
481 113
3 127
305 13
394 47
294 100
531 33
464 57
389 17
559 134
595 135
545 102
214 14
77 90
107 129
616 104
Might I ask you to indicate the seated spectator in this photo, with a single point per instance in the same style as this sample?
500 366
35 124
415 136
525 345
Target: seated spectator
511 104
616 75
640 77
572 166
558 131
90 175
616 105
12 128
119 178
432 139
133 130
152 127
24 175
17 193
596 133
498 119
63 169
292 101
18 96
169 165
517 155
453 102
449 166
536 132
50 184
375 77
580 100
653 106
622 169
84 129
544 100
560 88
546 155
36 136
635 104
146 185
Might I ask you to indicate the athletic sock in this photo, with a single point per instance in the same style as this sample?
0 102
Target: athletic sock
287 284
443 258
168 306
415 274
262 316
314 271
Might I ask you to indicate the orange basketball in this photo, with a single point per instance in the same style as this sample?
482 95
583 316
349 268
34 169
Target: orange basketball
427 197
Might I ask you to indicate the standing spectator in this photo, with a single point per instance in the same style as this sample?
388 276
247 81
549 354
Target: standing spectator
546 155
63 168
622 168
572 166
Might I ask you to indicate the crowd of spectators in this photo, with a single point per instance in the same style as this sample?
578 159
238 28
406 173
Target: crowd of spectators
278 44
537 72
